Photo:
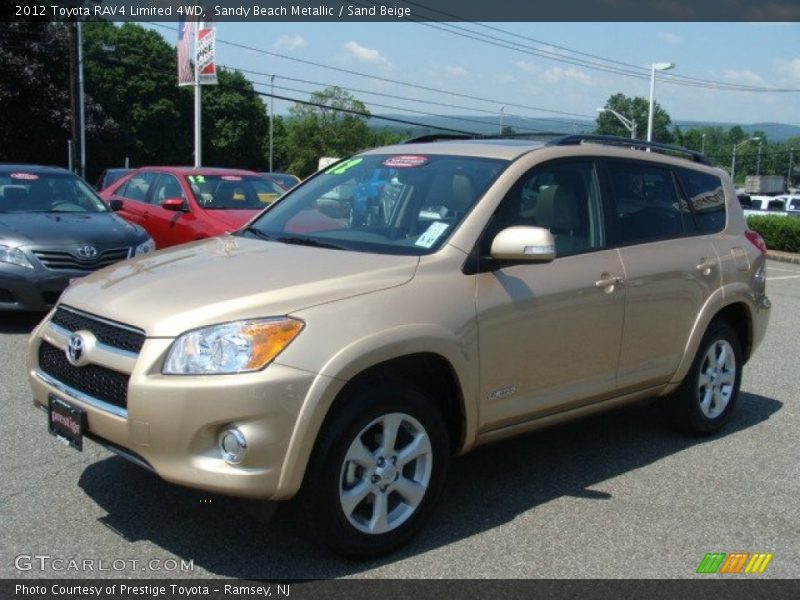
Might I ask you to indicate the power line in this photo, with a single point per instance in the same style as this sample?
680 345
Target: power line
388 80
629 70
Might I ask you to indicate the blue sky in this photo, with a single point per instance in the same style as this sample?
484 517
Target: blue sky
755 54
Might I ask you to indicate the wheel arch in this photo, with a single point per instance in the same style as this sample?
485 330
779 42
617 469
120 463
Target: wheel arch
432 365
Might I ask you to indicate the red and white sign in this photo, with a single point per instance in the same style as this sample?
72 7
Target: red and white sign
405 161
205 55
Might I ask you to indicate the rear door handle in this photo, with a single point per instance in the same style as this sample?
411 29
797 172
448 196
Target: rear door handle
705 266
608 282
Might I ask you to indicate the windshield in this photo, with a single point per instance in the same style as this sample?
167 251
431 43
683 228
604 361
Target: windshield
221 192
390 204
29 192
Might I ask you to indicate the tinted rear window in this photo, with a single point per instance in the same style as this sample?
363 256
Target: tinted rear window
706 196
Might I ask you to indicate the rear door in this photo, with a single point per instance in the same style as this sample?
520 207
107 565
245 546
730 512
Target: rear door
670 269
549 334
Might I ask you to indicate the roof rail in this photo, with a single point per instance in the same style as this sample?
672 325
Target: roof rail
437 137
612 140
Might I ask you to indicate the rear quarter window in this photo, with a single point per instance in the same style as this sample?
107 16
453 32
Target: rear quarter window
706 196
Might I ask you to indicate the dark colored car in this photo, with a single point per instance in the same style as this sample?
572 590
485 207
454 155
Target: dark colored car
54 228
182 204
286 180
109 176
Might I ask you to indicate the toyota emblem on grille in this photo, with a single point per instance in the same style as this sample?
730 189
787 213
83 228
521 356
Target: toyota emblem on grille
87 251
79 347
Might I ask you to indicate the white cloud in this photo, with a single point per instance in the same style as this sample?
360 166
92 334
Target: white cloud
670 38
366 55
457 72
503 79
745 76
559 74
526 66
790 68
290 42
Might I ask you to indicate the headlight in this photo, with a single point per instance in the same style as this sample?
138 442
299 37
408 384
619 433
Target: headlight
14 256
237 347
145 247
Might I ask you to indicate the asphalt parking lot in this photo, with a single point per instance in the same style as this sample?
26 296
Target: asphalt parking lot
615 496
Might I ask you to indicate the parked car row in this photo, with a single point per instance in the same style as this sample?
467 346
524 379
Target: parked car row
786 204
55 228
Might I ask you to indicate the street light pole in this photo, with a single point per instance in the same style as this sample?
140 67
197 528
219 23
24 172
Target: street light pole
703 143
664 66
733 160
629 124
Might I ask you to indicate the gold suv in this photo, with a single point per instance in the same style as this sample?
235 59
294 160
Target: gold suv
406 305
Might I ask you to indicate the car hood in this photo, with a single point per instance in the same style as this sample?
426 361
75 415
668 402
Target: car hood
228 278
232 219
52 229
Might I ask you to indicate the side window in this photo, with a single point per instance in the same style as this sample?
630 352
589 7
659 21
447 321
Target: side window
562 197
646 204
707 199
166 187
137 186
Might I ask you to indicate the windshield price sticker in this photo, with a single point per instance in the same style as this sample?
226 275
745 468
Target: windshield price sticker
231 178
433 233
25 176
405 161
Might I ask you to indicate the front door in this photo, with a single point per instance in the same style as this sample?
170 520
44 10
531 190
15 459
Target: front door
550 334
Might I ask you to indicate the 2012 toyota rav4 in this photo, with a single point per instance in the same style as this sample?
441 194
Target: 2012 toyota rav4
488 289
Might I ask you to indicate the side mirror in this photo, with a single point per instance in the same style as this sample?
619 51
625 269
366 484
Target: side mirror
115 204
174 204
525 244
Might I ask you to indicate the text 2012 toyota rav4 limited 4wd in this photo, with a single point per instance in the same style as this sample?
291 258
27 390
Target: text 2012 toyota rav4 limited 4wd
409 304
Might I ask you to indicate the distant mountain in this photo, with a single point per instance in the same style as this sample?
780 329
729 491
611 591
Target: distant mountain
487 124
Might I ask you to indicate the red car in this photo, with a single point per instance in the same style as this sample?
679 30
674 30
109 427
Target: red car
182 204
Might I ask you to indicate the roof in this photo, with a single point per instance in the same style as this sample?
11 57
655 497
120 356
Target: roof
197 170
506 149
29 168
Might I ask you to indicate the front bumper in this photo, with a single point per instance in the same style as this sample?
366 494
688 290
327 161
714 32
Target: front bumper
32 289
172 424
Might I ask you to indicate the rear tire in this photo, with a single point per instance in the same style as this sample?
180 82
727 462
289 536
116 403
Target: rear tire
377 470
705 400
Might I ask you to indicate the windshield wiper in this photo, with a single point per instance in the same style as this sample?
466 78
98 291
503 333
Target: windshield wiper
306 241
257 232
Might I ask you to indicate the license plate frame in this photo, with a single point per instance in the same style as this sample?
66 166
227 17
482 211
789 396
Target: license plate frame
66 421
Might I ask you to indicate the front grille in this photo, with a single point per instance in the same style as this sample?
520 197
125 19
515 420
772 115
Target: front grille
106 333
93 380
58 260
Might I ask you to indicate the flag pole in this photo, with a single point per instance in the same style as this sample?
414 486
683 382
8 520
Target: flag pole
198 137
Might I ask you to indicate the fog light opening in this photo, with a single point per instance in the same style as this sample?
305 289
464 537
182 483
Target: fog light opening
233 446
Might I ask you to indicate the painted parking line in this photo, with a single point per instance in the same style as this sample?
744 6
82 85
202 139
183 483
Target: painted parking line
783 277
771 268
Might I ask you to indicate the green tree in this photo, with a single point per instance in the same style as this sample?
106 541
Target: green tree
235 124
334 124
131 72
637 110
35 94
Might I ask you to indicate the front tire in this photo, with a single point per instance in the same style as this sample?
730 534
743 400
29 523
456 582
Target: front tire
705 400
377 471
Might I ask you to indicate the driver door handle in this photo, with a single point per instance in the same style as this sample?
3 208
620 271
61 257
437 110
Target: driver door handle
608 282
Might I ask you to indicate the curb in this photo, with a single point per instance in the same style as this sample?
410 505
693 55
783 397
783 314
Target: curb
786 257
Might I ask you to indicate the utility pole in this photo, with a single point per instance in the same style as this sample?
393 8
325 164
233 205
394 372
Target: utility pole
791 166
758 162
74 93
271 117
81 101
